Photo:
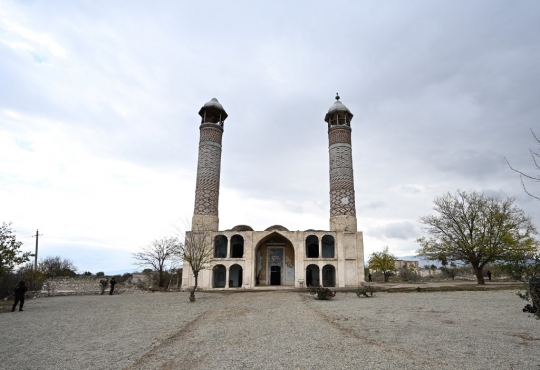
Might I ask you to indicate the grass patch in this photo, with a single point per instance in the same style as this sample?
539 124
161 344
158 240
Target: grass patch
5 306
463 288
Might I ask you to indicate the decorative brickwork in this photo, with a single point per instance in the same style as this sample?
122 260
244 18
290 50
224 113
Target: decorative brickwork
342 202
341 135
211 134
208 173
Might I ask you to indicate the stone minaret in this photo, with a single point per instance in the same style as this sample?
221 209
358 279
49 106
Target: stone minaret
205 214
342 208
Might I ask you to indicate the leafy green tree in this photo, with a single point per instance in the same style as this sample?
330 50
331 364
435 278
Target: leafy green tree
10 254
476 229
383 261
34 278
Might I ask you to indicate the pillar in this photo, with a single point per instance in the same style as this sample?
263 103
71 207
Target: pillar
205 214
342 197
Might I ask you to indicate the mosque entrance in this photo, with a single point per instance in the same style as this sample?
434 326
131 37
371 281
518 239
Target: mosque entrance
275 275
274 261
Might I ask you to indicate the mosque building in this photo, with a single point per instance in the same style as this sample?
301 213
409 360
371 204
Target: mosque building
276 257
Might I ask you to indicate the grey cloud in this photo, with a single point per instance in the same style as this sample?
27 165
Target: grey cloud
410 189
396 230
472 164
441 92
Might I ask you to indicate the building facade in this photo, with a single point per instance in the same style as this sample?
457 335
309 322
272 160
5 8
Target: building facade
276 257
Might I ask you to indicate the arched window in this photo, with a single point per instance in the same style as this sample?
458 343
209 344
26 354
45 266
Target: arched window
329 276
312 247
235 276
312 276
328 249
220 246
237 246
219 275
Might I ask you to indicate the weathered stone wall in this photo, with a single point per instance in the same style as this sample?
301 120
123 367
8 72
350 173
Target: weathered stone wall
82 285
72 285
142 280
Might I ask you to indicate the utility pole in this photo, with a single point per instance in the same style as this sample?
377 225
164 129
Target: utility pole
35 257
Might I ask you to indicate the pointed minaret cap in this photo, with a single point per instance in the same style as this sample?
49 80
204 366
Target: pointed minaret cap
338 107
213 105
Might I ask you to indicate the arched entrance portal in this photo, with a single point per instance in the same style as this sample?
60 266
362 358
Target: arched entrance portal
312 276
274 261
329 276
219 272
235 276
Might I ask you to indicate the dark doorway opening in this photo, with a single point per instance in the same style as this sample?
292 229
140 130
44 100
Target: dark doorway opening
275 275
312 247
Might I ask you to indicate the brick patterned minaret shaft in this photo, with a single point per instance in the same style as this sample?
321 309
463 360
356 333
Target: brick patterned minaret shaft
205 214
342 201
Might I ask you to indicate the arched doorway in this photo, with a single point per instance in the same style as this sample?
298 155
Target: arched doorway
328 250
312 276
219 273
312 246
235 276
329 276
220 246
274 261
237 246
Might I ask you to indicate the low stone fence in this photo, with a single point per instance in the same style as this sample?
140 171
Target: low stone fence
78 285
83 285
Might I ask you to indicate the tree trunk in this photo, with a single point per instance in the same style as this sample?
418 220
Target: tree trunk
192 294
479 275
160 282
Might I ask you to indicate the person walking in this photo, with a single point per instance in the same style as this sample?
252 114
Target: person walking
113 283
20 291
488 275
369 277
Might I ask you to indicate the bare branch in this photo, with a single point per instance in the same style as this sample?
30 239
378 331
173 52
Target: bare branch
197 251
158 255
533 178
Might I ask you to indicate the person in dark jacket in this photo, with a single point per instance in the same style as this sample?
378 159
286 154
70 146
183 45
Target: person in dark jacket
489 275
113 283
20 291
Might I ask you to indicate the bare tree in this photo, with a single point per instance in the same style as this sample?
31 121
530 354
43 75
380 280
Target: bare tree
197 252
57 266
158 255
535 159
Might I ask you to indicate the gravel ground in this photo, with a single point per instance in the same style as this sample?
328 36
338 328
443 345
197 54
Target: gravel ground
269 330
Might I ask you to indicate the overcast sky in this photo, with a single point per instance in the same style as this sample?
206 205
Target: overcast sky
99 127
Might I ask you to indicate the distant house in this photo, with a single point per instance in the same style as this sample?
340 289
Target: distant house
400 264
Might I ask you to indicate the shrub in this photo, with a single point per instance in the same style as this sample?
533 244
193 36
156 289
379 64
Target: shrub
532 295
322 293
100 274
364 291
103 283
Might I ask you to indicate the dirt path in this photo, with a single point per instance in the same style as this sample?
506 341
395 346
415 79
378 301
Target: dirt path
277 330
